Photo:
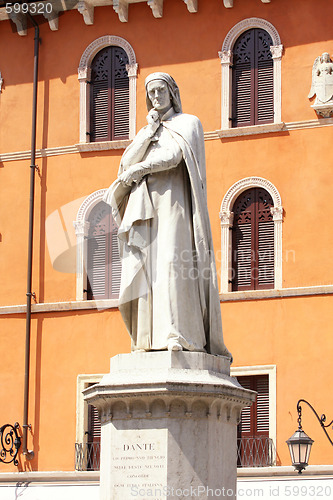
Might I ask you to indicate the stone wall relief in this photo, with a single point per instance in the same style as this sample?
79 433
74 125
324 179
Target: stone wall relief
322 85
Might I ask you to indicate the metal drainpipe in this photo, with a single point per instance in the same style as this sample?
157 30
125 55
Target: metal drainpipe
30 454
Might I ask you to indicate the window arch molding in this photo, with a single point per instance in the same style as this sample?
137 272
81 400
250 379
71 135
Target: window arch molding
227 216
226 57
81 225
84 76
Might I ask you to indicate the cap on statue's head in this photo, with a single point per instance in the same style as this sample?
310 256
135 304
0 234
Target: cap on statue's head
173 89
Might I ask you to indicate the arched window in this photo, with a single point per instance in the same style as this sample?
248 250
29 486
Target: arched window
104 267
253 241
251 236
251 75
109 98
107 75
98 266
252 79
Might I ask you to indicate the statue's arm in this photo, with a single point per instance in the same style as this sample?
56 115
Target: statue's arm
137 149
163 158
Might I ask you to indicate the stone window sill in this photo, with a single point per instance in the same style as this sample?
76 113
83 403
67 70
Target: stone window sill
252 130
102 146
276 293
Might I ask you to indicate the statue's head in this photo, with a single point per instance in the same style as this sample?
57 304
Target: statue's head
162 92
325 57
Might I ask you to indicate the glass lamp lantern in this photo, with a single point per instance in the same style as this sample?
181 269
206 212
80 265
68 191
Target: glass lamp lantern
299 448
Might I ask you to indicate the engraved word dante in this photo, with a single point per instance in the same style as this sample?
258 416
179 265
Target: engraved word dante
137 446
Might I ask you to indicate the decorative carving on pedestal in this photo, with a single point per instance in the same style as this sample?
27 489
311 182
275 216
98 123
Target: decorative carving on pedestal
170 407
322 85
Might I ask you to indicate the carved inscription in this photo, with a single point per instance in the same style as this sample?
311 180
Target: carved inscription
138 461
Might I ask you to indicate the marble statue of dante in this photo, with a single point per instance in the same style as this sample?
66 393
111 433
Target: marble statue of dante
168 295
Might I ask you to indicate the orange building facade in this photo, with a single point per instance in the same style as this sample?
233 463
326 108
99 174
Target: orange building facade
282 332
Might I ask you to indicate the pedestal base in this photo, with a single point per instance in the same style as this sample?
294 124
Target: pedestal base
169 426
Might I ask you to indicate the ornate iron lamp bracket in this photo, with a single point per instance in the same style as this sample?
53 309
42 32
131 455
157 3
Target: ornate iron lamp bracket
10 443
321 419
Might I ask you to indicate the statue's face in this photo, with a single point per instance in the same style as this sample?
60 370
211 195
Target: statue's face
159 95
326 57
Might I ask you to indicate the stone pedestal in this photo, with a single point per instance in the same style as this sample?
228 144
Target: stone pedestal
169 426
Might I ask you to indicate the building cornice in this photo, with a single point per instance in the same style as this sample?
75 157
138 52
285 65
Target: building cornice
86 8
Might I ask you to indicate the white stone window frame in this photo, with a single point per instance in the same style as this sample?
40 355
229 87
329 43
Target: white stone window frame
81 225
226 56
83 382
84 76
227 217
270 370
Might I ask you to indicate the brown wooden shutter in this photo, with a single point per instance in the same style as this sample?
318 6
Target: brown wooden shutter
265 240
104 266
93 438
243 243
247 424
243 81
115 262
121 94
255 418
253 241
109 107
262 420
252 81
100 99
265 82
253 430
94 425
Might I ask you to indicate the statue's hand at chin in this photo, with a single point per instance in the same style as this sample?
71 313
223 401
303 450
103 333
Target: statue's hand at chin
153 119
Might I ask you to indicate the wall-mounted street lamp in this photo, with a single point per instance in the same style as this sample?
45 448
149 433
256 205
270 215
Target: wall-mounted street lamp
10 443
300 443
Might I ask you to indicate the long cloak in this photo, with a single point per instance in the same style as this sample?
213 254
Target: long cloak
133 211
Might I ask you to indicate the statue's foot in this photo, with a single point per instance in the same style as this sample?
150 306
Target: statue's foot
139 350
173 345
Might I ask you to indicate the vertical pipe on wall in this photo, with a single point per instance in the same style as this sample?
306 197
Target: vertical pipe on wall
30 454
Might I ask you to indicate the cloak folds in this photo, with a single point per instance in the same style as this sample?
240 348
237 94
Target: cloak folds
135 212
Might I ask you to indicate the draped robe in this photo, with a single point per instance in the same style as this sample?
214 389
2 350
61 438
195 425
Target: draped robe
168 286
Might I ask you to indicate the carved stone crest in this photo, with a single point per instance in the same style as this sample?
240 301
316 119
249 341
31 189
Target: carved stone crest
322 84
